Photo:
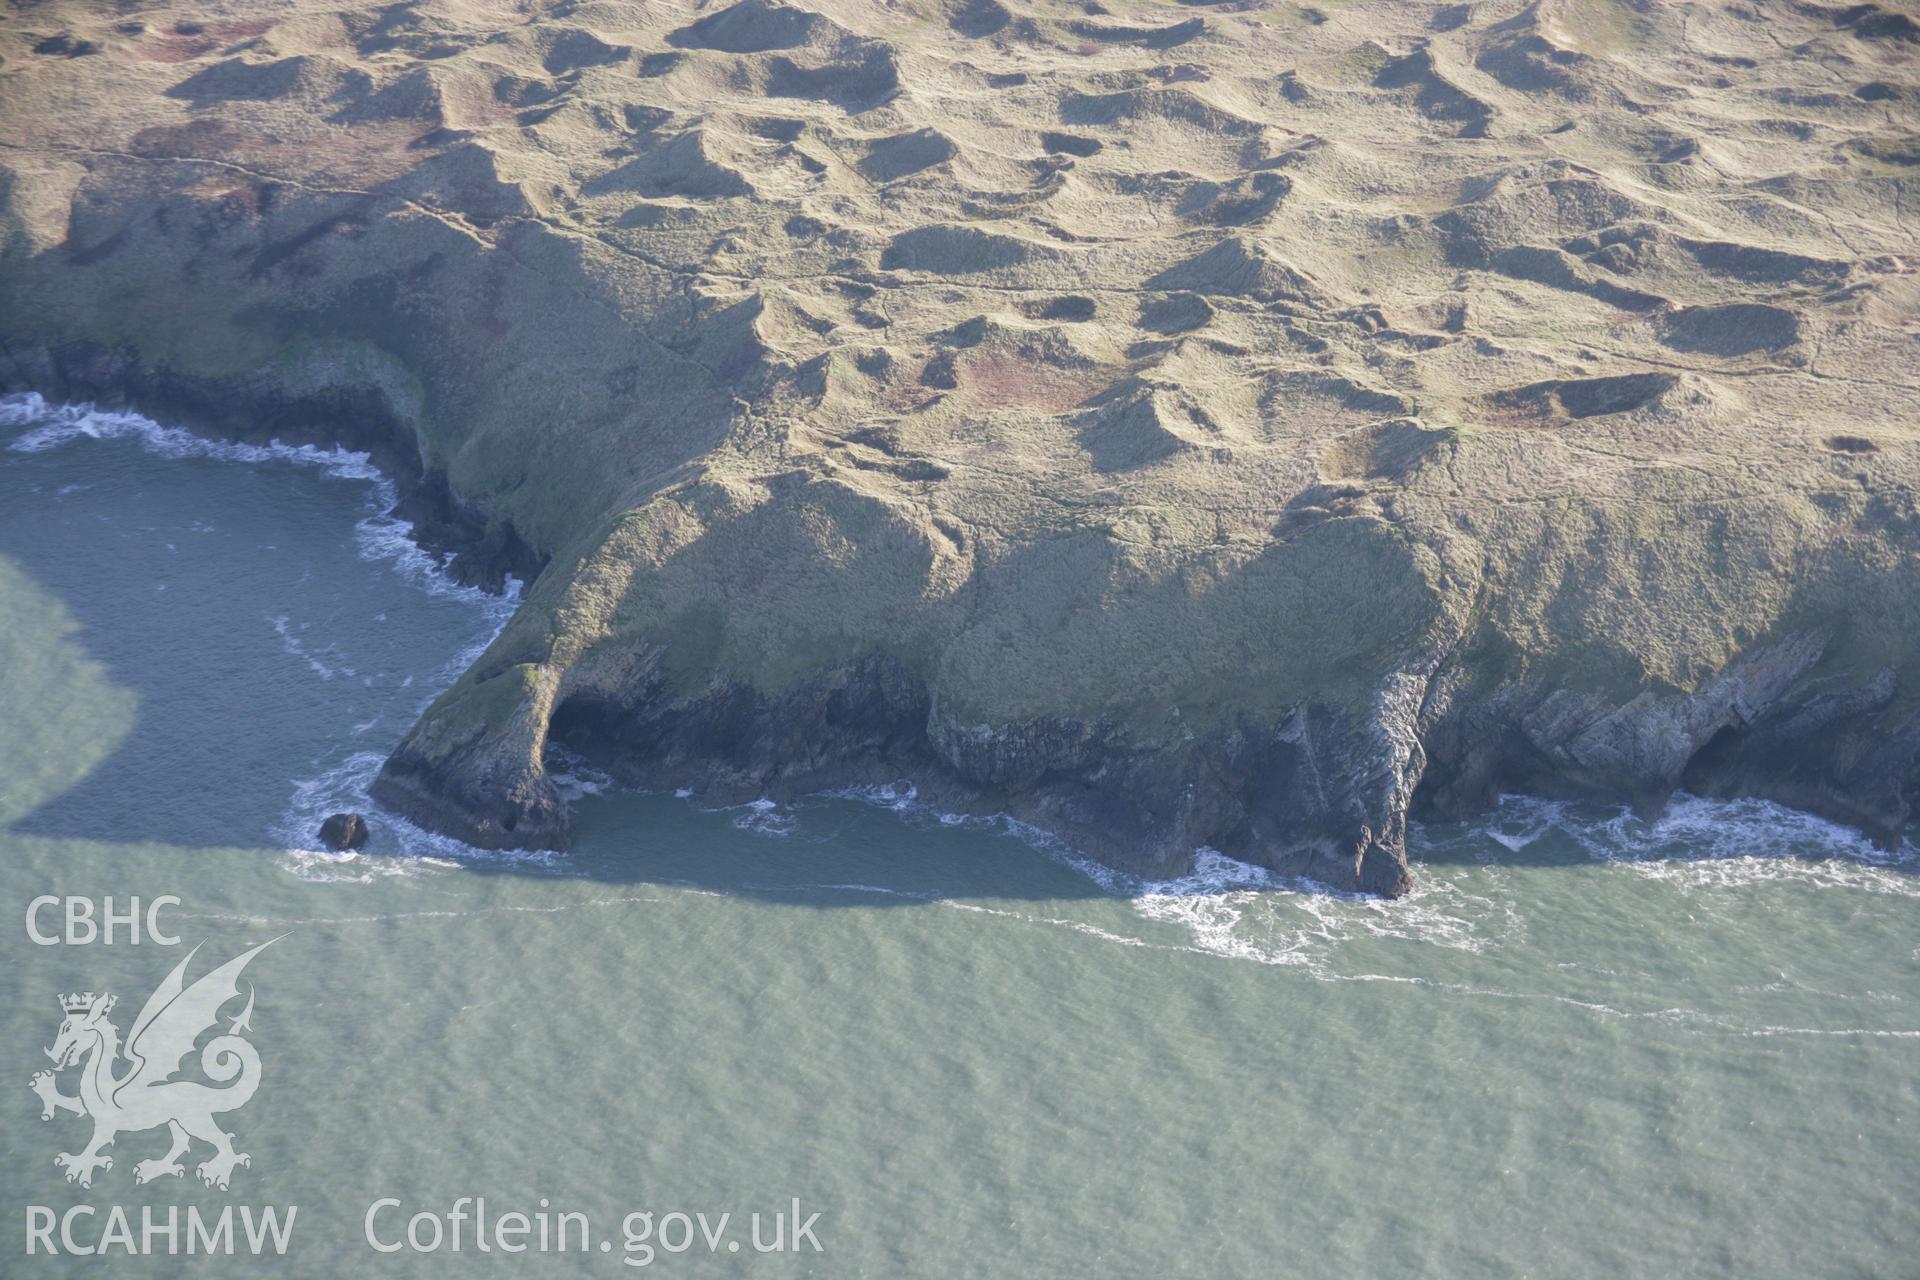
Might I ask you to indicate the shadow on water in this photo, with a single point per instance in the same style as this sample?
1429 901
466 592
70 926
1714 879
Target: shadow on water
822 851
181 641
189 772
212 694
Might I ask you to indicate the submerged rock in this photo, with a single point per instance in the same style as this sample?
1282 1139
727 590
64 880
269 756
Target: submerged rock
343 831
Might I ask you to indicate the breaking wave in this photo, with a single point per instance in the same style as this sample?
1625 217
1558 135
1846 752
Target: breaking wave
1464 929
1700 844
379 536
1466 903
399 847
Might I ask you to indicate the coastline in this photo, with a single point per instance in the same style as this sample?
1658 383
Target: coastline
1328 796
1339 820
476 547
930 638
1128 452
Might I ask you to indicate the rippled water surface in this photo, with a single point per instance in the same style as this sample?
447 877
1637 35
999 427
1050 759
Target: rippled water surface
1586 1046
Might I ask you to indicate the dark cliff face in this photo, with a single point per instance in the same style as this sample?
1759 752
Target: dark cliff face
1315 793
1319 791
1312 795
474 546
1779 725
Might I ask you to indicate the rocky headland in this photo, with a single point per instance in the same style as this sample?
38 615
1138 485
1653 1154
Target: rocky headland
1241 424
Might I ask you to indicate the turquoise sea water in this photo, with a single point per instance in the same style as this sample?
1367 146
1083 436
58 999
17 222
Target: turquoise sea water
1586 1046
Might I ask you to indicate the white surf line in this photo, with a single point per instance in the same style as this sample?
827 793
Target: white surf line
936 900
1670 1016
379 538
1208 901
344 788
50 426
1222 883
1077 926
1736 831
282 627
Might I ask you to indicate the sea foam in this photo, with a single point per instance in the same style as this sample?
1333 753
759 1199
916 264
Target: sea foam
400 847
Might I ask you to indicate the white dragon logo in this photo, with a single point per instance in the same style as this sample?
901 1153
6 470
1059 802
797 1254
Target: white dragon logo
174 1017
